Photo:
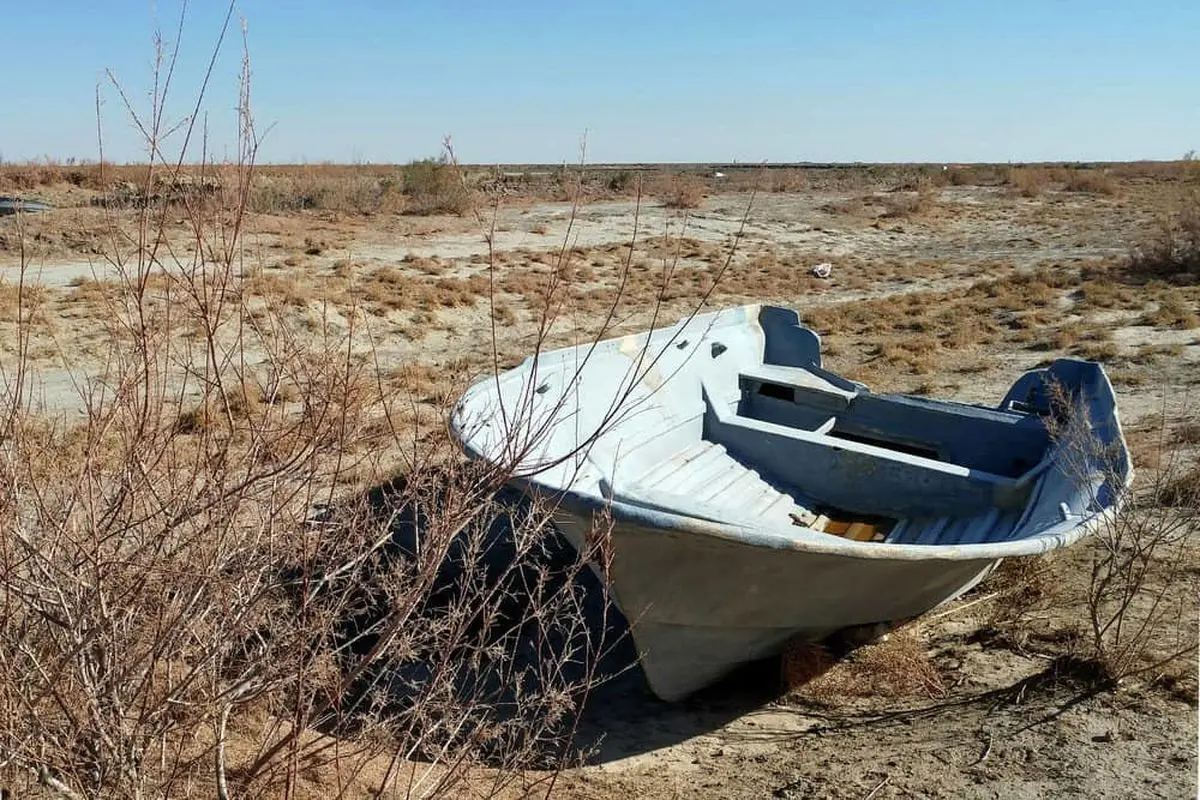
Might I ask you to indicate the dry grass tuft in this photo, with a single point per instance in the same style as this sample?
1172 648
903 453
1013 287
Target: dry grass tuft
1181 489
1187 433
897 665
804 662
391 289
28 298
1022 584
1097 351
1173 311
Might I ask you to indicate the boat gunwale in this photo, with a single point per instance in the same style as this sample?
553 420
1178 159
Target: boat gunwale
1057 536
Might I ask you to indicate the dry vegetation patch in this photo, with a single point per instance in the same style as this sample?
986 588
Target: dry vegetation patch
1091 181
678 191
897 665
1173 252
1028 181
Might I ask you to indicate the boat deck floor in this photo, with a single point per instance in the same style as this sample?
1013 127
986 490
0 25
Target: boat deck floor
706 478
705 473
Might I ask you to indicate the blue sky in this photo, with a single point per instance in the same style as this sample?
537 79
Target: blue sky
522 80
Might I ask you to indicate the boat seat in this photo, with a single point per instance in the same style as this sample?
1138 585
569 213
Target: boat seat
803 384
856 475
987 439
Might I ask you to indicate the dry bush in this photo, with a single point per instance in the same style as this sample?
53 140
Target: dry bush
677 190
975 175
1185 169
1173 311
1027 181
1141 594
199 597
31 175
900 206
39 174
195 602
17 300
621 181
435 186
1174 253
962 176
1180 487
352 190
1187 432
786 181
851 206
903 204
1104 293
1090 181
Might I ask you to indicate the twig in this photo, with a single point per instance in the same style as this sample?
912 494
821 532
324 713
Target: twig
956 609
219 753
878 786
987 751
54 784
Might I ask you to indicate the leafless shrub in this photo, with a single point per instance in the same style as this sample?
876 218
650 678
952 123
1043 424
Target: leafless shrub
179 613
851 206
1139 620
362 190
621 181
1181 169
963 175
1174 252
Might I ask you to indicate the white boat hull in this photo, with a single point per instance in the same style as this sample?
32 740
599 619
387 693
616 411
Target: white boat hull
758 498
700 606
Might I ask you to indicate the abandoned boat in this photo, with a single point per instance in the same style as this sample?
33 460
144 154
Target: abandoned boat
757 498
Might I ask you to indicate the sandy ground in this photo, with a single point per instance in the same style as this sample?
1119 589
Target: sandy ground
1011 718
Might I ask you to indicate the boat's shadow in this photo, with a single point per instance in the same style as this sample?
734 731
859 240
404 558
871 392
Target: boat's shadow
623 718
619 716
